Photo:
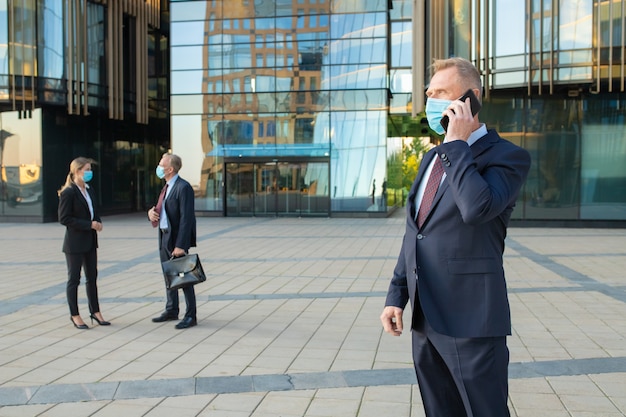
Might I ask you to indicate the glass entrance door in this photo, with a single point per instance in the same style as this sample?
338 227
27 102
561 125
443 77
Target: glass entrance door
277 189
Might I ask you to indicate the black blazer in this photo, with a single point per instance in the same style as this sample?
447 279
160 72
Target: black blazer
454 262
181 217
75 216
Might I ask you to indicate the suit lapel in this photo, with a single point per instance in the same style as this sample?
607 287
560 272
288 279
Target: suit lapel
477 148
428 158
171 192
411 208
81 197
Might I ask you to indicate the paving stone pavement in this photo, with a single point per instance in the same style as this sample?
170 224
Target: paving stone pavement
288 323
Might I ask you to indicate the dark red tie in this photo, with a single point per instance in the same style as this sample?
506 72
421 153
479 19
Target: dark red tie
159 204
429 193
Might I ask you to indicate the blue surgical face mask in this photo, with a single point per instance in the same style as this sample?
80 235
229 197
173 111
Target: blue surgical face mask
434 113
87 176
160 172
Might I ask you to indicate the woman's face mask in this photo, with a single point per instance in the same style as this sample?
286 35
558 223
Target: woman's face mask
87 176
434 113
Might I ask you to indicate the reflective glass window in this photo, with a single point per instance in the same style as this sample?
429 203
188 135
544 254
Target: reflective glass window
401 81
4 52
356 76
509 34
21 182
22 40
95 42
359 6
575 24
187 82
358 51
358 100
366 25
187 33
51 64
188 11
360 157
264 23
186 57
186 104
402 9
256 104
603 167
401 44
459 33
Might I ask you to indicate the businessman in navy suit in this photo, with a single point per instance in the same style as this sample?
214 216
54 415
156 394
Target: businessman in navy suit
450 265
175 218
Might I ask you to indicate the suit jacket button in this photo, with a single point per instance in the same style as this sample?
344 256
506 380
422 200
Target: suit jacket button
415 271
420 236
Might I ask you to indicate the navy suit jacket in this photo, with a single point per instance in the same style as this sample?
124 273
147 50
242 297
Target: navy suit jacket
181 217
75 216
454 262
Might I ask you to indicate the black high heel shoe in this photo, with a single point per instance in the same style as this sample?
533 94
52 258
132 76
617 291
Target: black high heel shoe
79 326
100 322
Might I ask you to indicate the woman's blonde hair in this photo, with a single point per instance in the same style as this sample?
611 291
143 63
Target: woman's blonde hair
75 166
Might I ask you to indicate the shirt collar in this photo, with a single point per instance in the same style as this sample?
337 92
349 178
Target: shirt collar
476 134
172 180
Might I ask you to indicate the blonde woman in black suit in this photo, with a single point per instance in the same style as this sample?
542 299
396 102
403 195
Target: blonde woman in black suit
78 213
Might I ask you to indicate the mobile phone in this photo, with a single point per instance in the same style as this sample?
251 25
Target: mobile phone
474 104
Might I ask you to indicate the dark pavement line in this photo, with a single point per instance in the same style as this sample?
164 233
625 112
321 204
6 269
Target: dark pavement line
568 273
109 391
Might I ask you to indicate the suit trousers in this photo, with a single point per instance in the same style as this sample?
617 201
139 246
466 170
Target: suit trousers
171 305
76 262
460 377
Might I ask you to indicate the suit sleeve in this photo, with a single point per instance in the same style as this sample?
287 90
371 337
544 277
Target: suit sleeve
483 193
398 292
187 217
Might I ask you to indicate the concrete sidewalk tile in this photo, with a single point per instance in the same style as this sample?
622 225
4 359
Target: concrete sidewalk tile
73 409
26 410
288 324
128 408
293 403
240 402
332 407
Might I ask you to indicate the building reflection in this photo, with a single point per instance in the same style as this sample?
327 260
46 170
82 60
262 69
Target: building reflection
289 94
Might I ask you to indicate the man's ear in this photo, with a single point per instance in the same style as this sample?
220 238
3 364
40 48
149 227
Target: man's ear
478 94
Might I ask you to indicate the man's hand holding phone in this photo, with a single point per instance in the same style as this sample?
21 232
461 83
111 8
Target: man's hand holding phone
458 120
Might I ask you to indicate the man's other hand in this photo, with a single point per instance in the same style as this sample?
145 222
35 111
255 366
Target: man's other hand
392 320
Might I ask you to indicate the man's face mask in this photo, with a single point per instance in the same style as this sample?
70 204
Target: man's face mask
434 113
160 172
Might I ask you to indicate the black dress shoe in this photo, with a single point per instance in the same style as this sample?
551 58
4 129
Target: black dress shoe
186 323
164 317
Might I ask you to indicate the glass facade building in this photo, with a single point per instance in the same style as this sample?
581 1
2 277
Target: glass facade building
281 106
299 107
304 107
81 78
